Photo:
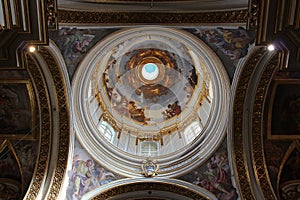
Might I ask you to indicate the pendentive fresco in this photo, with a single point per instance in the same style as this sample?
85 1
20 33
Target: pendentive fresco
86 174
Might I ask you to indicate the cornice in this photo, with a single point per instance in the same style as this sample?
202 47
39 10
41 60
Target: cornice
24 24
127 18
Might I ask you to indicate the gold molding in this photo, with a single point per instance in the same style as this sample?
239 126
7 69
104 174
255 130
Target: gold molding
279 136
32 134
64 123
113 18
46 130
257 131
148 186
51 13
45 127
253 15
238 149
261 171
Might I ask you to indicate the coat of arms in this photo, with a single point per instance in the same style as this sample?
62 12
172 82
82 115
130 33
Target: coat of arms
149 167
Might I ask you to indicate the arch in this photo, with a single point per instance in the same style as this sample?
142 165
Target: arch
138 188
245 130
52 88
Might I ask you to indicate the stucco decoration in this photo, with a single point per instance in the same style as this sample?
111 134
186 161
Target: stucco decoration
150 92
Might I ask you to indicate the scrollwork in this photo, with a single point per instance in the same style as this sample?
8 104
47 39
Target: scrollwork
257 145
51 14
45 128
235 16
239 99
64 127
149 186
253 15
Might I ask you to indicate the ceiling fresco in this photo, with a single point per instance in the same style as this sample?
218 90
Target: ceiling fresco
17 163
230 44
16 115
150 91
281 141
86 174
74 43
216 111
215 175
151 81
150 84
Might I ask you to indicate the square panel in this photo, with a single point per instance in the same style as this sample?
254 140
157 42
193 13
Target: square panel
17 110
284 111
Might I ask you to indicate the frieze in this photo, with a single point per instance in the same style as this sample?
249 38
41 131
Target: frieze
84 17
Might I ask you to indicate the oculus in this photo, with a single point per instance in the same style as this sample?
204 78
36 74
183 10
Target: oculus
150 71
150 92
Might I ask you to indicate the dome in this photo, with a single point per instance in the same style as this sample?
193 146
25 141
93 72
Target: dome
150 92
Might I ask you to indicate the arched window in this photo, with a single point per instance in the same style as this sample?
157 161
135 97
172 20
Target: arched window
149 148
191 132
107 131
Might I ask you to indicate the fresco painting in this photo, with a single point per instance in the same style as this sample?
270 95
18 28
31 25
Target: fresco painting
75 43
8 165
274 153
283 161
134 97
27 152
15 109
233 43
17 164
285 120
215 176
9 189
230 45
86 175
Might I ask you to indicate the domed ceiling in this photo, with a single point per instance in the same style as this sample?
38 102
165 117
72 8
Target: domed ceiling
150 92
150 85
149 82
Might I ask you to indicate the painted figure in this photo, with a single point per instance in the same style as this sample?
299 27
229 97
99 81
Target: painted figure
137 113
82 176
85 176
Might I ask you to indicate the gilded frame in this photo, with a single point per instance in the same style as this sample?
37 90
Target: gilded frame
290 96
27 110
